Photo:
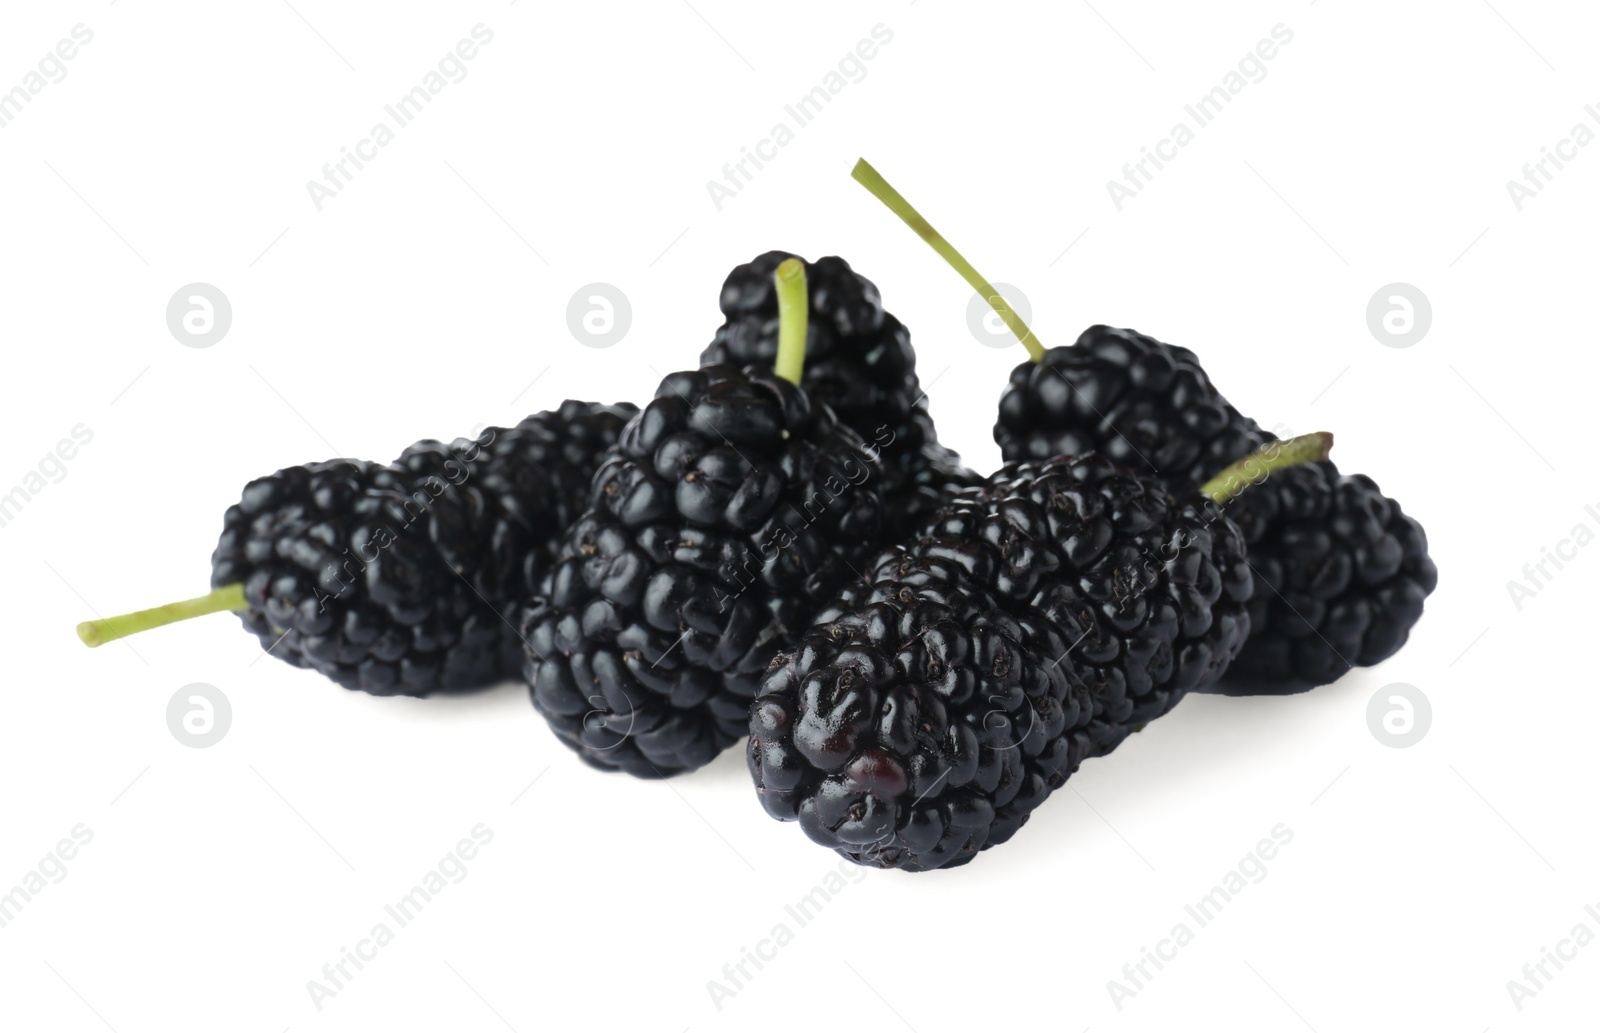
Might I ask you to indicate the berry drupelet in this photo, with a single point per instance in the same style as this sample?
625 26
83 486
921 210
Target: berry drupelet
859 358
407 578
730 510
1341 571
1035 623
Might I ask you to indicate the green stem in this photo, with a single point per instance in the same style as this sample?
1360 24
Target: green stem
1270 458
794 308
109 629
870 178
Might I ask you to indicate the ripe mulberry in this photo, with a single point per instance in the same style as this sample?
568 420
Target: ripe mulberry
1038 621
730 510
1159 583
1341 572
341 575
1142 403
408 578
858 358
919 727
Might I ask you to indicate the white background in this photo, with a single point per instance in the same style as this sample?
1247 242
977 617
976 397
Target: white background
424 299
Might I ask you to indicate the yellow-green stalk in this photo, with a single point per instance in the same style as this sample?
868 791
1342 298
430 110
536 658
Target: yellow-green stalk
794 309
1262 463
870 178
109 629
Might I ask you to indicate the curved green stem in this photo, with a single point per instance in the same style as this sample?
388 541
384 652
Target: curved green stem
1262 463
109 629
870 178
794 309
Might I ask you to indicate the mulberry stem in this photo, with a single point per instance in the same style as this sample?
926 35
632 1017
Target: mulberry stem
870 178
109 629
794 309
1262 463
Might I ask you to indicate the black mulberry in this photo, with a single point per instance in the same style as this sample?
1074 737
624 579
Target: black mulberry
1038 621
858 358
1341 572
1144 404
406 578
729 512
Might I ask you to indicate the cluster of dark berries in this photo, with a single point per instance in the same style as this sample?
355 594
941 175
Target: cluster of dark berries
1341 571
778 548
729 513
415 576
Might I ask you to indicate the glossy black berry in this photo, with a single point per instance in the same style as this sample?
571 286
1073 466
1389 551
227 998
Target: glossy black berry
1341 572
1164 579
919 727
730 510
859 361
1142 403
408 578
1037 622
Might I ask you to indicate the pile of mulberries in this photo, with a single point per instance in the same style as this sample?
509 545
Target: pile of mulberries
1341 571
858 360
727 514
1036 622
916 656
408 578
